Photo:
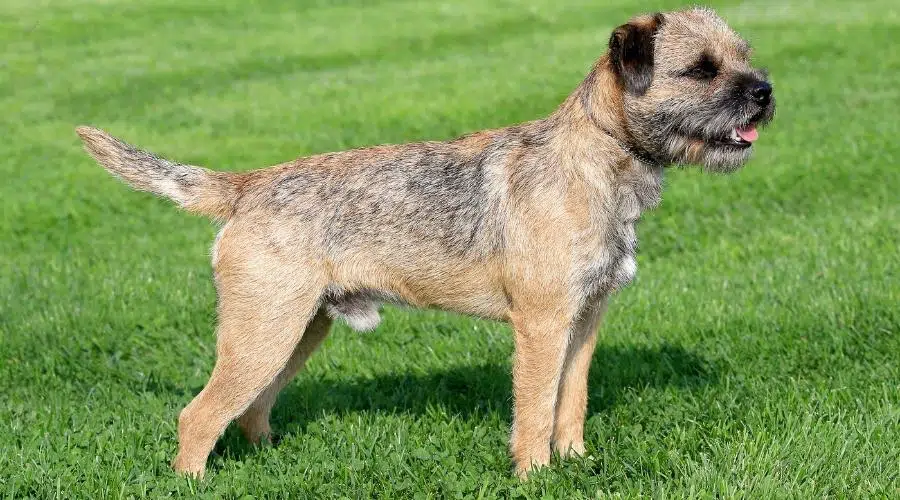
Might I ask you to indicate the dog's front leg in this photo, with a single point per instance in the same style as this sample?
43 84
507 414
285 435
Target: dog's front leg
541 345
571 402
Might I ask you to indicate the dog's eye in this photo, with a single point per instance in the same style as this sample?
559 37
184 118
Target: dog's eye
705 69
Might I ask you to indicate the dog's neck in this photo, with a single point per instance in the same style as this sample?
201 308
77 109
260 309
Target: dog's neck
639 155
598 102
591 122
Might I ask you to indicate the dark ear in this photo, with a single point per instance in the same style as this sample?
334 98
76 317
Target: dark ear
631 52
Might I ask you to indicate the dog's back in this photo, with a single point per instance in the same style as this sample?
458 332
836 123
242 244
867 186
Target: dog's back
356 212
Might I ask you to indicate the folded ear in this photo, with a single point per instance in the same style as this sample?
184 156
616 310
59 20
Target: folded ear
631 52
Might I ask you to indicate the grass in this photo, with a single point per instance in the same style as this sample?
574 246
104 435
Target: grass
757 354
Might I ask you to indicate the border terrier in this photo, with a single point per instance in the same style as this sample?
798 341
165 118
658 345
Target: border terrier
533 224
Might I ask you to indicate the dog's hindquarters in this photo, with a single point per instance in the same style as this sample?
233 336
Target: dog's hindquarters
195 189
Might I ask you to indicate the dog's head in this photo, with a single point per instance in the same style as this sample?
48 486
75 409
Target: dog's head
689 92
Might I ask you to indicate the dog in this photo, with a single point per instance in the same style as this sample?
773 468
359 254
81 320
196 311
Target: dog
533 224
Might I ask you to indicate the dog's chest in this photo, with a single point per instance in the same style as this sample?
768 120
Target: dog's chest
611 263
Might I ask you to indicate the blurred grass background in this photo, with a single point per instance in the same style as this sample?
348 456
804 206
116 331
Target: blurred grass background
756 354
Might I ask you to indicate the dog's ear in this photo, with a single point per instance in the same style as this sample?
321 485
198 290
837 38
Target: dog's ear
631 52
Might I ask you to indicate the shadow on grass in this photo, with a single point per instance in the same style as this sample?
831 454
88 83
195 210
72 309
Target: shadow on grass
473 391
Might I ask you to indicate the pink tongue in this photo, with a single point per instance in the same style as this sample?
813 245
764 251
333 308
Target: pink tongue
748 134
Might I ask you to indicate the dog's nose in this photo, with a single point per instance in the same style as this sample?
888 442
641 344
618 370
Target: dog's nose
760 92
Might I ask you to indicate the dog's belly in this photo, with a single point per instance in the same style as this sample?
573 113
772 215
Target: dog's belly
467 287
361 309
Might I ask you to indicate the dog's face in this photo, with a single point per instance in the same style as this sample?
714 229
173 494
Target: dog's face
690 94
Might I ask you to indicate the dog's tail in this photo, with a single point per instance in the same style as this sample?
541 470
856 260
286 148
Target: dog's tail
195 189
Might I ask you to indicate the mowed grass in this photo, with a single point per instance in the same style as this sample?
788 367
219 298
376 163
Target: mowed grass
757 354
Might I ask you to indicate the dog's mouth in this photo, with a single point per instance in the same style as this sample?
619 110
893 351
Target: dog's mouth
720 140
742 136
726 138
738 137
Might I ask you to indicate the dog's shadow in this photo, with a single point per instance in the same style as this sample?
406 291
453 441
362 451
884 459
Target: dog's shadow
472 391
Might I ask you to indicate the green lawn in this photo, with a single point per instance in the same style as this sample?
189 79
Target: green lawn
757 353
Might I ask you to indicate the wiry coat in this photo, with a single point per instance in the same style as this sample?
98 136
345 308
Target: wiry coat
422 223
532 224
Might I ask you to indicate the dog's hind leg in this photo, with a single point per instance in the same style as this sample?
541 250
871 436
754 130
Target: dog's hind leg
255 421
264 308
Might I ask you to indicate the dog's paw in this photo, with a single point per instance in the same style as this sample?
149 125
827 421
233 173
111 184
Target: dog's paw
188 468
569 450
523 472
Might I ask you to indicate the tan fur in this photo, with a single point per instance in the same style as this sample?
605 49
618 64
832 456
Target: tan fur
533 224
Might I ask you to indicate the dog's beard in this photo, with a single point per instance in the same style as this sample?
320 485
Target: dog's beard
711 134
714 158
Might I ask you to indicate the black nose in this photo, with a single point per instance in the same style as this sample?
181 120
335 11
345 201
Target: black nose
760 92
